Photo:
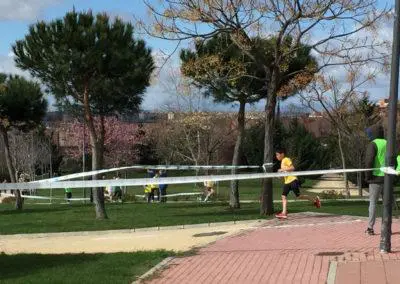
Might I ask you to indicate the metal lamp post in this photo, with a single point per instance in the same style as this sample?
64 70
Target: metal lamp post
386 231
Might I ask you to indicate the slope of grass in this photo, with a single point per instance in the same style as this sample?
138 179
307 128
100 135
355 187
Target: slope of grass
77 268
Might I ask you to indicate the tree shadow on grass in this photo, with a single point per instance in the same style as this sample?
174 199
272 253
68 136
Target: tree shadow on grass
14 266
250 212
32 210
194 204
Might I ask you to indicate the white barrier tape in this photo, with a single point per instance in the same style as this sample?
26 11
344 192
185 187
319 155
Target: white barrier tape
141 167
167 180
44 197
175 194
390 171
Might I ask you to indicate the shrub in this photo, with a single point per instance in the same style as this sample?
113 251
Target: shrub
8 200
331 194
129 197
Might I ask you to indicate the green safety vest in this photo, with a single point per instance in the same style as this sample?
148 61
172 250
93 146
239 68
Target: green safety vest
380 157
398 163
68 190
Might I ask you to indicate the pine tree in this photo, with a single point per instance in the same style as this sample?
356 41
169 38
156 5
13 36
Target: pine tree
22 107
89 63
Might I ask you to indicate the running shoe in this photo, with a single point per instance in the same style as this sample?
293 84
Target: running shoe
281 216
370 231
317 202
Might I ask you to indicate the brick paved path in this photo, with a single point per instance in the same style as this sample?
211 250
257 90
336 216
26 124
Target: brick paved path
298 250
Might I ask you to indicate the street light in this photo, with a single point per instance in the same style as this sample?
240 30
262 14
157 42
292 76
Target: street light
386 231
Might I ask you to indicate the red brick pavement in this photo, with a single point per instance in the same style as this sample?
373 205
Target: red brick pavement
297 250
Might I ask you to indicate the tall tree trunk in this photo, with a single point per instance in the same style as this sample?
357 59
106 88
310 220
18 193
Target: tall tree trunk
97 157
234 194
359 176
198 153
267 205
346 181
10 167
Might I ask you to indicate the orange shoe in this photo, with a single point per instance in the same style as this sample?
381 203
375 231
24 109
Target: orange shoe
317 202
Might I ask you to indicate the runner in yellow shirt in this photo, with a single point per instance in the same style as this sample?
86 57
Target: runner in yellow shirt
291 183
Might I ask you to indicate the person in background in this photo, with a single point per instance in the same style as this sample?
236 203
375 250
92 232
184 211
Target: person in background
209 190
117 193
163 187
68 193
150 189
107 190
374 158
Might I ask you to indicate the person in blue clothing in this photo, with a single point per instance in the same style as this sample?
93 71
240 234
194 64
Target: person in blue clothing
163 187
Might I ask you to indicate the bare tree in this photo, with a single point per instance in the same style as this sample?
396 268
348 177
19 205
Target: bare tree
183 95
193 138
29 151
346 36
338 101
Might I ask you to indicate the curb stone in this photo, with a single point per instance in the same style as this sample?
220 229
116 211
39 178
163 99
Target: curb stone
332 273
163 264
130 231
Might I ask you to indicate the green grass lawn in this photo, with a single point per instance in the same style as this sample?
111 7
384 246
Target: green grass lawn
77 268
79 217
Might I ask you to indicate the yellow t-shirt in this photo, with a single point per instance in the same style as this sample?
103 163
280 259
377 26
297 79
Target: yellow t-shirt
287 163
208 183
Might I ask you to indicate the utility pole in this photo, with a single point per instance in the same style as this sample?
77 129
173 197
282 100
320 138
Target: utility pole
386 231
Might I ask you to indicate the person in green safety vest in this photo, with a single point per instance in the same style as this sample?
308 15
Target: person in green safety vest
68 193
398 163
374 158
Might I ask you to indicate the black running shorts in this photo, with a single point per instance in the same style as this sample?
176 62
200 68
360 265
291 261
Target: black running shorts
293 186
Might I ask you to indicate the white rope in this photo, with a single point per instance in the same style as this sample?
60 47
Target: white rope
166 180
390 171
141 167
44 197
174 194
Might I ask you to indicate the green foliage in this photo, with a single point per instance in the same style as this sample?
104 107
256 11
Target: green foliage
223 70
22 104
331 194
144 148
128 197
306 151
86 54
230 74
368 111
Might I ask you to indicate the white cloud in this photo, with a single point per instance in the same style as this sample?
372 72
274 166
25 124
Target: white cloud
7 65
23 9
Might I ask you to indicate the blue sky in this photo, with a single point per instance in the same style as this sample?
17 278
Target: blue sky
16 15
17 26
15 20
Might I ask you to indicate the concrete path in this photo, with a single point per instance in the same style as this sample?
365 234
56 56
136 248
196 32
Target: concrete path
335 182
178 238
302 249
